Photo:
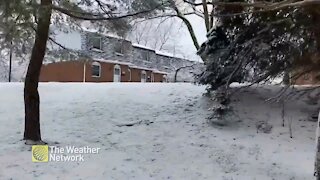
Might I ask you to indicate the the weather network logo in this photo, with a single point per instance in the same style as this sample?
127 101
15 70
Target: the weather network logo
40 153
45 153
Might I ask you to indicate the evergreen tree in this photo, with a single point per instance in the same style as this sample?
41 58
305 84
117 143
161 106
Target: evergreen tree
250 44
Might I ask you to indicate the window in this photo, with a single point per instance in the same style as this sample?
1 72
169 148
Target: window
146 56
96 69
118 48
96 43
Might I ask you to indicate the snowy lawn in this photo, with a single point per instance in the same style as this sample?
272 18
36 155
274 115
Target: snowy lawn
179 144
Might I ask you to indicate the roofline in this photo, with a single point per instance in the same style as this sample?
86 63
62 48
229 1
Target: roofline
135 45
111 61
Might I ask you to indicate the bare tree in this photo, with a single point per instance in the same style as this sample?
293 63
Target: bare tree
37 17
177 70
155 33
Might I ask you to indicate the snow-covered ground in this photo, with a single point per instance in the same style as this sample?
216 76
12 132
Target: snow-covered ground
179 144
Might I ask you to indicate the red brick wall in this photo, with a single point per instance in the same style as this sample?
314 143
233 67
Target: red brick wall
308 79
68 71
106 74
136 75
72 71
158 77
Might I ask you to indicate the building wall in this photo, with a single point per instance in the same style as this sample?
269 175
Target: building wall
308 79
134 54
109 46
136 75
73 71
69 71
106 74
138 57
158 77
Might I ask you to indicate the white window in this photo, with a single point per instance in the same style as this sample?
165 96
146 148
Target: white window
143 76
117 73
96 43
96 69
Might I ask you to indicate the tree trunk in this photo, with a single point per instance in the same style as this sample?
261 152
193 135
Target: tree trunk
316 21
10 63
31 94
176 74
286 78
206 14
317 160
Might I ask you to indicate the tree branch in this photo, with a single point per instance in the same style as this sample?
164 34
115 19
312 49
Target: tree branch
97 17
206 14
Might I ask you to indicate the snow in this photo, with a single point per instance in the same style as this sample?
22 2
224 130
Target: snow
112 61
179 144
94 30
169 54
159 72
71 40
142 46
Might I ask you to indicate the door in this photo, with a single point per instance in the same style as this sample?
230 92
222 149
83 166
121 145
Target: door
143 76
117 74
152 77
164 77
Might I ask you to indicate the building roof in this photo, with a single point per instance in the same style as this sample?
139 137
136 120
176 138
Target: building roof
160 72
161 53
113 61
112 35
142 47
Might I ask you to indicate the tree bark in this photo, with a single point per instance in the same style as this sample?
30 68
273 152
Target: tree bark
10 63
187 23
31 94
206 14
177 71
317 160
176 75
316 19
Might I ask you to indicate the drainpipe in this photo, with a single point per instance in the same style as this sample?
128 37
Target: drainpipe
84 72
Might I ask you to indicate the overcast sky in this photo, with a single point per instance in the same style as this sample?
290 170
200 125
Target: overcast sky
185 39
147 33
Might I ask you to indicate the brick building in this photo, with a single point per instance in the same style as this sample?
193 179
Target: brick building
98 70
114 59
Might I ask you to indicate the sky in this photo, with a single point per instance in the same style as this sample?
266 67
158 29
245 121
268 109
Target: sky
200 31
179 42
